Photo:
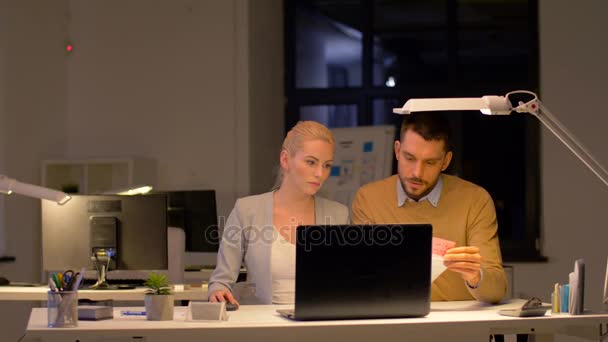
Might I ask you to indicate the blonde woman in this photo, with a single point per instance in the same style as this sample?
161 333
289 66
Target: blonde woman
261 229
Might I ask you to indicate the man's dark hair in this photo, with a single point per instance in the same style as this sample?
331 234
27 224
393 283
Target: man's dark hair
431 126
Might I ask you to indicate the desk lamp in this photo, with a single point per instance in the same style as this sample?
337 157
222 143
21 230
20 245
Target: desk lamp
501 105
10 185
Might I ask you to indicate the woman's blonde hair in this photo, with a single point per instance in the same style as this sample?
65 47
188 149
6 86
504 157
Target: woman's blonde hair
303 131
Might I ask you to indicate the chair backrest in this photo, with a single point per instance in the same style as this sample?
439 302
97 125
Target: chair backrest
244 293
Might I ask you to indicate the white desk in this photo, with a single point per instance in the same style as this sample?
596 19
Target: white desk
453 321
40 293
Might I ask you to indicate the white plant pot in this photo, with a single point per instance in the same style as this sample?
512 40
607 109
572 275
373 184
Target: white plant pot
159 307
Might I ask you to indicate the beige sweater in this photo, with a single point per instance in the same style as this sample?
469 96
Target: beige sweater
465 214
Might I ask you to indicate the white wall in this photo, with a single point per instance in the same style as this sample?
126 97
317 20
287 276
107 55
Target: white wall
266 92
166 80
34 118
32 124
573 85
173 81
157 79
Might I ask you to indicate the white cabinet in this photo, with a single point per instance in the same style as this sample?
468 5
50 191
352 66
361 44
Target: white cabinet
91 176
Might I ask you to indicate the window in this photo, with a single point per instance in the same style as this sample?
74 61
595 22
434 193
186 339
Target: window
342 115
349 62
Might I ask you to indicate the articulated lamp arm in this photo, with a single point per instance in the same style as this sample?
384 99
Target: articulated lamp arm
10 185
536 108
501 105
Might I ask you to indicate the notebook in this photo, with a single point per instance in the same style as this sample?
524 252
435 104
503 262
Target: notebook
362 271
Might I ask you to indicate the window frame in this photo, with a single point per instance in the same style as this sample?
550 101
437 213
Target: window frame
526 249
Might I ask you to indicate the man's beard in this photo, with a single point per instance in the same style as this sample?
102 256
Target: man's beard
422 182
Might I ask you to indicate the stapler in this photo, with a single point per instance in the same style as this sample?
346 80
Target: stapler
533 307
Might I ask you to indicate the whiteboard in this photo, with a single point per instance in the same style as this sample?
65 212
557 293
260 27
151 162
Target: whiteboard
363 154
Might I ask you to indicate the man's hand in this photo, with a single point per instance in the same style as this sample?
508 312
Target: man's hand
222 296
466 261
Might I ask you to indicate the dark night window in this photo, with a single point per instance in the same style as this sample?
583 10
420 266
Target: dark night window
349 62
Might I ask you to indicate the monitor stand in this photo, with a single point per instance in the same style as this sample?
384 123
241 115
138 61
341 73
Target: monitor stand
101 258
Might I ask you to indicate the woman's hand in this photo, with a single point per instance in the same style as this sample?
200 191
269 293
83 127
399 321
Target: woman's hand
222 296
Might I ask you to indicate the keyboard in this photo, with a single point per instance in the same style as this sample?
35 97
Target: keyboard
196 268
118 282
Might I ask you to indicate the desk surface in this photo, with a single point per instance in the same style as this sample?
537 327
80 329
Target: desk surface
40 293
467 320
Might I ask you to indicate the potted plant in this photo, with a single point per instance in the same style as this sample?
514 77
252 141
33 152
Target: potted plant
159 298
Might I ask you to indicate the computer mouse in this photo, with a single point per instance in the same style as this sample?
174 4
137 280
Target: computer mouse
4 281
125 287
231 307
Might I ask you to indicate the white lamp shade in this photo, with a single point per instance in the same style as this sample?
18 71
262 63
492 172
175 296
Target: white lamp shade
497 105
10 185
130 191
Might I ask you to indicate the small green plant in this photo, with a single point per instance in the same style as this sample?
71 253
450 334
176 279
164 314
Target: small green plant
157 284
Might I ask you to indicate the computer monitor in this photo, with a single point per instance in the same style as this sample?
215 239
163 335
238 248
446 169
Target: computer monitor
134 227
195 211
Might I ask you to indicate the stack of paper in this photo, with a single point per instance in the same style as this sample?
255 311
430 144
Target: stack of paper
440 246
94 312
437 267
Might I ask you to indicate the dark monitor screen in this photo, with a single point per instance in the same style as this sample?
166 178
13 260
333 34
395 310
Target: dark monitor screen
135 225
195 211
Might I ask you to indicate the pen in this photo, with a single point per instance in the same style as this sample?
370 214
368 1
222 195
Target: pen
60 280
56 280
76 283
133 313
52 285
70 285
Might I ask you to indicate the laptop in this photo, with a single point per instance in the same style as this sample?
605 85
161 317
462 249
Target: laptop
362 271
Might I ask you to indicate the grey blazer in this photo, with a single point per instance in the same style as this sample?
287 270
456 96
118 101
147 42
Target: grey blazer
249 233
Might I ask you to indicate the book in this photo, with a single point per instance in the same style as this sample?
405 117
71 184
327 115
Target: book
577 288
95 312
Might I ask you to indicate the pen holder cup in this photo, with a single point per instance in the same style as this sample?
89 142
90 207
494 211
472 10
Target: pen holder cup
62 309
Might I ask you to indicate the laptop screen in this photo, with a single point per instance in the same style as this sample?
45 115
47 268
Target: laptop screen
363 271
